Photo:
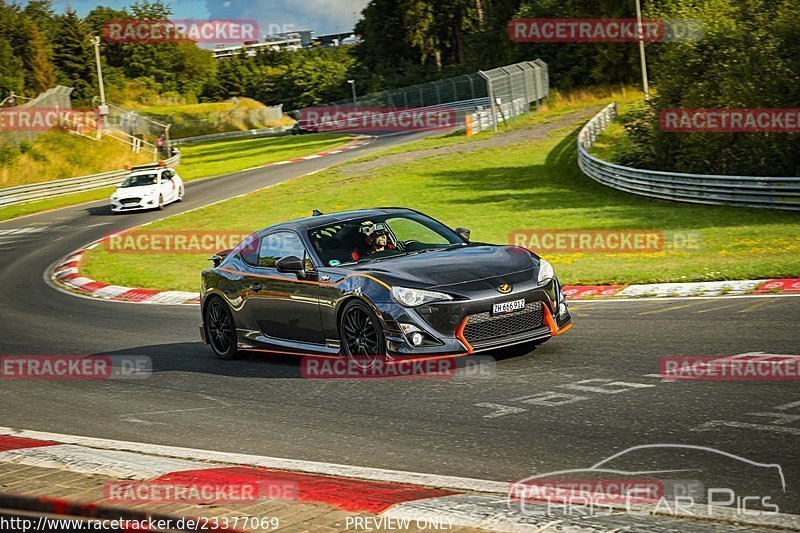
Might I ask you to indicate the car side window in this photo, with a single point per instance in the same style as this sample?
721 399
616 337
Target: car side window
249 249
276 246
167 175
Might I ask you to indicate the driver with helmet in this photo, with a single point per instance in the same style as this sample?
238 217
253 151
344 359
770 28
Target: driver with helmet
376 239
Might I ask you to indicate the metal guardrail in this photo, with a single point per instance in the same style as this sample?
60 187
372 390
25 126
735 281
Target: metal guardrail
51 189
263 132
353 121
484 119
747 191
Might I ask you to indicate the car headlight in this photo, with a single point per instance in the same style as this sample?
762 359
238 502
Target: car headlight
114 196
415 297
546 272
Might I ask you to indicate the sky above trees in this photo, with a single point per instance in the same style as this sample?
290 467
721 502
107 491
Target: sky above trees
322 16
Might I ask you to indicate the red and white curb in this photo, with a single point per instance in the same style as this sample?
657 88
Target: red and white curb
357 142
406 497
67 274
701 288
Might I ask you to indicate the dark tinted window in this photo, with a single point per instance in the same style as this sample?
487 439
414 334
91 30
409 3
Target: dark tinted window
349 241
139 180
277 246
248 250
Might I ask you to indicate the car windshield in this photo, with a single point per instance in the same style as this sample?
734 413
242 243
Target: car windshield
380 237
140 180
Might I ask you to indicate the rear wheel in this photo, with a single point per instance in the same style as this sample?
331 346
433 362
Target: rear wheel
360 332
221 330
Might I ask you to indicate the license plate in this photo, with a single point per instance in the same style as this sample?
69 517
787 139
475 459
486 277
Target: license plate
508 307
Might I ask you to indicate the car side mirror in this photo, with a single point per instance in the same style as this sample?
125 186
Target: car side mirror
291 264
464 233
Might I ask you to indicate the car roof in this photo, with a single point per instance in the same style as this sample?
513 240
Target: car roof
146 171
303 224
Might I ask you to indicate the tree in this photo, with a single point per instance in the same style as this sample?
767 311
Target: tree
11 67
74 56
40 71
41 13
747 58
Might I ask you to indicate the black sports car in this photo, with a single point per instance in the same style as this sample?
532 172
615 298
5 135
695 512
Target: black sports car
376 282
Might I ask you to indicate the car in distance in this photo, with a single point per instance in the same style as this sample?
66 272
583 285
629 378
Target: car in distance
376 282
304 126
148 187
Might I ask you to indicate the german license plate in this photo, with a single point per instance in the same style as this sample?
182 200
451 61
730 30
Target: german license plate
508 307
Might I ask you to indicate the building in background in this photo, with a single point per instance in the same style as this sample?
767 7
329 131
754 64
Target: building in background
288 42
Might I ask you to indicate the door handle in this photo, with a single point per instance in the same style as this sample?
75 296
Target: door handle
255 287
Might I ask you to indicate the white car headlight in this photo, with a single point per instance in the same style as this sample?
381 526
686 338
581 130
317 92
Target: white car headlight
415 297
546 272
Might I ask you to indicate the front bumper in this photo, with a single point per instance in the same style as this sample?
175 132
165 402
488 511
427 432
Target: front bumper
461 327
119 205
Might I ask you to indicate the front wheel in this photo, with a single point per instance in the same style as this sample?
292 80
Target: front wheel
221 330
181 192
160 203
360 332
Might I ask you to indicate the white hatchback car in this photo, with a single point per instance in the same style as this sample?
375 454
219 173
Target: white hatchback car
148 187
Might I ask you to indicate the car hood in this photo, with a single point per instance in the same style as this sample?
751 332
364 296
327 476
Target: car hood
470 268
136 192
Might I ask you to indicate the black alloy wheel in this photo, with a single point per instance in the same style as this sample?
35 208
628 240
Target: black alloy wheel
221 330
360 333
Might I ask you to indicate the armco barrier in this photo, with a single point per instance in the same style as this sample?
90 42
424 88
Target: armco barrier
264 132
748 191
51 189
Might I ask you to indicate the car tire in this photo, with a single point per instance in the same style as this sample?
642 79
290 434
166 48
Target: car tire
181 192
220 329
360 331
160 203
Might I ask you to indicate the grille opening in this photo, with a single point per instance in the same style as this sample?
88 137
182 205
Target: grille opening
484 326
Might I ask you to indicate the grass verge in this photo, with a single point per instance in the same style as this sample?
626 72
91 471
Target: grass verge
533 185
201 160
58 155
215 117
613 142
204 160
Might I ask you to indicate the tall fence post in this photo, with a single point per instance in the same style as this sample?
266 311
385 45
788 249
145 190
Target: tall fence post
490 90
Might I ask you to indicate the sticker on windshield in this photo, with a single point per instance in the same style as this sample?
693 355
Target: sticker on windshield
333 262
